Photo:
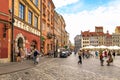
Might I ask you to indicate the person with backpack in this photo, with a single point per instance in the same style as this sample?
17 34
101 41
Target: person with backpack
35 55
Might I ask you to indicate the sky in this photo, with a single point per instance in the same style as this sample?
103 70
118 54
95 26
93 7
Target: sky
84 15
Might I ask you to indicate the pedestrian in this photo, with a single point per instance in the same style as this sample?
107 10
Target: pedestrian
96 54
101 55
22 52
83 54
35 55
80 56
113 54
105 53
18 54
110 59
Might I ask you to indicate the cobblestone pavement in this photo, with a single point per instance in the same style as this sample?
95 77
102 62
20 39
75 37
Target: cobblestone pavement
67 69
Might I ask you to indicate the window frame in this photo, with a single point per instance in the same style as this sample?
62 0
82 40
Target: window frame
36 22
30 18
21 11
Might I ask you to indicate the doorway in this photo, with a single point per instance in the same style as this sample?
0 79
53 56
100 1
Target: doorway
20 42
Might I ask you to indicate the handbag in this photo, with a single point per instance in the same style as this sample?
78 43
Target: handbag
37 59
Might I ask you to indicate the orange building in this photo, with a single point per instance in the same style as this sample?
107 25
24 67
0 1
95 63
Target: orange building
47 25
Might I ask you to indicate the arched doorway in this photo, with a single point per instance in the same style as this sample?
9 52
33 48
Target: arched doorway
20 42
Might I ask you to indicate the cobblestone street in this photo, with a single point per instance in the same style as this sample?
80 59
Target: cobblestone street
67 69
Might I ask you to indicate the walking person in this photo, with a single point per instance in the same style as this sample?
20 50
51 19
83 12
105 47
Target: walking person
101 55
22 52
35 55
110 59
96 54
113 54
18 56
80 56
83 54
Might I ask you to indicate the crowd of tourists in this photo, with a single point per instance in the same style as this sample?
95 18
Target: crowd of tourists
103 55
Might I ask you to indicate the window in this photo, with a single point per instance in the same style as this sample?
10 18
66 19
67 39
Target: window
43 26
21 11
36 3
43 10
49 4
36 22
48 16
29 17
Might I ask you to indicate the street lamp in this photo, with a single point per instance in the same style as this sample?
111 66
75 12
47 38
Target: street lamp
55 45
12 33
41 25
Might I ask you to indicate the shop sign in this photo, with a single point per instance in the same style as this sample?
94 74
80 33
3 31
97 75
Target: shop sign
26 27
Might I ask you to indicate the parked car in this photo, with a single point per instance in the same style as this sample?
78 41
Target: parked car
63 54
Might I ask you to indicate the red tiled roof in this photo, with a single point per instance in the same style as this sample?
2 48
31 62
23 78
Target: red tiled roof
108 35
93 34
100 33
85 33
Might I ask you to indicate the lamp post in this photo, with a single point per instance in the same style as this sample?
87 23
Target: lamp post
54 45
12 33
41 41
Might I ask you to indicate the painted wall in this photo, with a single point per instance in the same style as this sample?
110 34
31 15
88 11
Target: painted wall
28 37
4 17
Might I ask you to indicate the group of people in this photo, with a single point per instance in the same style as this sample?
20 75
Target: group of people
84 54
22 54
103 55
106 55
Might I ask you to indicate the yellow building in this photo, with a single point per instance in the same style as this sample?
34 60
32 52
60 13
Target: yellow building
117 29
27 24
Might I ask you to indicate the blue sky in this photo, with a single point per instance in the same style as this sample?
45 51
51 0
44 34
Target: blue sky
81 5
83 15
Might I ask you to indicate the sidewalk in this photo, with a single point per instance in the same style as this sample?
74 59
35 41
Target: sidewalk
17 66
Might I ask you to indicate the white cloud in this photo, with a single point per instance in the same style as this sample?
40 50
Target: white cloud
61 3
108 17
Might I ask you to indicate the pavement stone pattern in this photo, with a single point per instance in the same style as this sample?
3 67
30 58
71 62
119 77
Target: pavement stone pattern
66 69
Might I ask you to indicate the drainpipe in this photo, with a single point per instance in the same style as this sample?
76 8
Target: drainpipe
12 33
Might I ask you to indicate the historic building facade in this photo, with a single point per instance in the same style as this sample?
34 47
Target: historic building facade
47 25
5 26
62 36
77 42
99 38
26 25
26 29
